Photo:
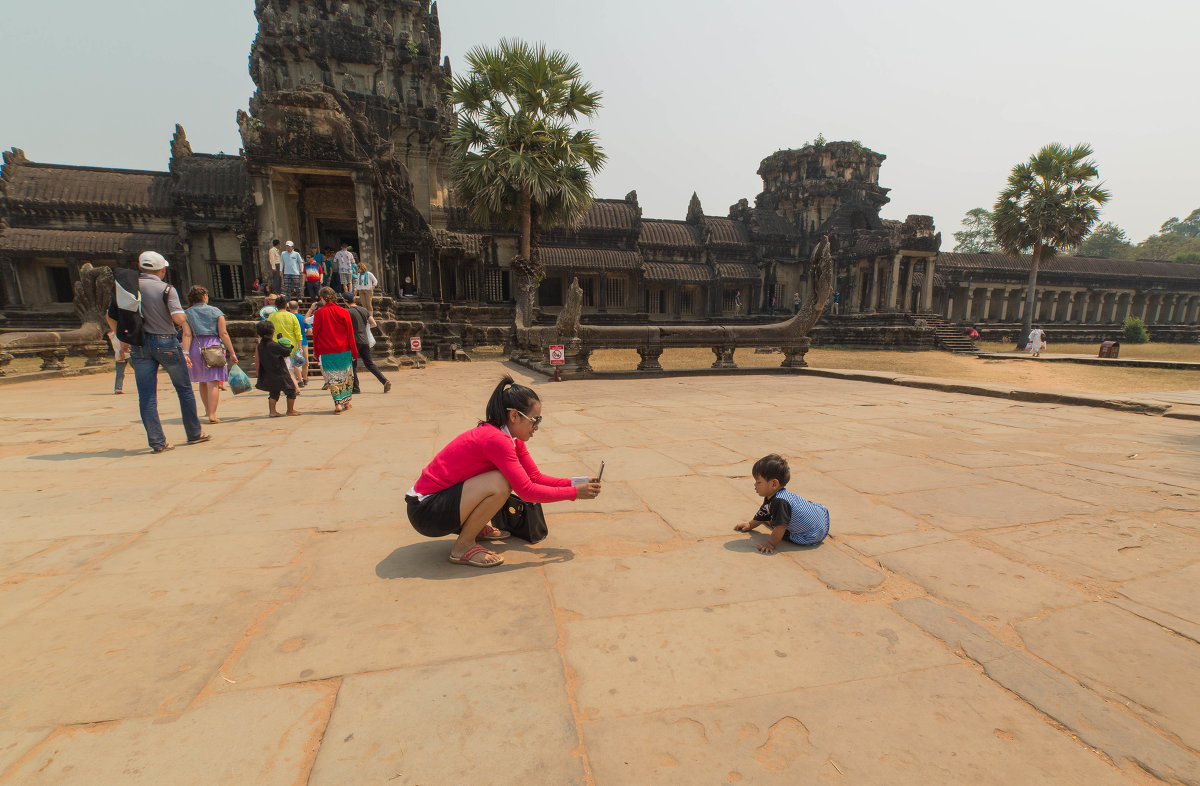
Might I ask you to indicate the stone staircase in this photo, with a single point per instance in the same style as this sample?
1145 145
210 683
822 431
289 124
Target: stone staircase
947 336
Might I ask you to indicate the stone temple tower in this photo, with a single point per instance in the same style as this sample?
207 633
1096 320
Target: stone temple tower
824 188
343 141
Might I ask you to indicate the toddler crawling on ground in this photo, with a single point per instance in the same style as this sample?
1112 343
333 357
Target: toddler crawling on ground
804 523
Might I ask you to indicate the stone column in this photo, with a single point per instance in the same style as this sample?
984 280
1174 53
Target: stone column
1005 295
927 286
893 284
1193 310
873 293
1127 298
855 290
602 294
368 238
949 303
1158 304
987 305
1054 297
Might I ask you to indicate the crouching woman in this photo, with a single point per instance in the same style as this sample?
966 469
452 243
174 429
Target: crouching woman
470 479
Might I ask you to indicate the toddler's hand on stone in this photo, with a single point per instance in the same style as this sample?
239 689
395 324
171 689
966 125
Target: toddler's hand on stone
766 548
743 527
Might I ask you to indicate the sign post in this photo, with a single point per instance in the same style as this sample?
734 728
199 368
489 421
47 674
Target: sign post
557 358
414 343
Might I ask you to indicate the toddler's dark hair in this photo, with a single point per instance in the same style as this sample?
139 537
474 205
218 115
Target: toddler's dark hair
281 302
508 395
772 467
264 329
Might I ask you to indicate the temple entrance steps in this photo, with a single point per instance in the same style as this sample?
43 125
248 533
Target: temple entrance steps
951 338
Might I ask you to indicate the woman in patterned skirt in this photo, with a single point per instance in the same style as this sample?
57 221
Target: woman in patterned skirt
333 344
208 329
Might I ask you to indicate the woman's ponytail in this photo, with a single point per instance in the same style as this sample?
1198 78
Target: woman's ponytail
508 395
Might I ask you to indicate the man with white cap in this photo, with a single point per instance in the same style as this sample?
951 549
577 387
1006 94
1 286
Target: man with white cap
293 266
162 314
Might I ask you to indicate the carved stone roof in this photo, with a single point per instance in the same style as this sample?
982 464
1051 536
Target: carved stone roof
213 178
1140 268
467 241
768 223
660 232
609 214
726 231
85 242
571 258
738 271
72 187
672 272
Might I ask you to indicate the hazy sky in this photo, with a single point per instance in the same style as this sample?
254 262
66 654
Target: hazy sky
697 93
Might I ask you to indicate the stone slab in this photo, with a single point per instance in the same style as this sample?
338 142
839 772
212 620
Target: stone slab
1177 592
15 743
491 720
992 506
389 624
914 476
1124 738
992 588
726 502
272 742
941 725
886 544
150 645
616 586
1134 660
650 662
835 566
1111 548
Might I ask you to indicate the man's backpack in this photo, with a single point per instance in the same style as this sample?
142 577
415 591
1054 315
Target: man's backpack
126 307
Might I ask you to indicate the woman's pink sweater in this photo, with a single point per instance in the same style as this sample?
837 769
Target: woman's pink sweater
483 449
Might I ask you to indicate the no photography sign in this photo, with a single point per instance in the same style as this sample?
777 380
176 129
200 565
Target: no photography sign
414 343
556 354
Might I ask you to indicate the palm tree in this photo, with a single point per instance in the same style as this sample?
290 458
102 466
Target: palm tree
516 160
1050 205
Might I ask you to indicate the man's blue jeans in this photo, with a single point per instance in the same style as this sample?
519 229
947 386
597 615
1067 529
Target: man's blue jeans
163 351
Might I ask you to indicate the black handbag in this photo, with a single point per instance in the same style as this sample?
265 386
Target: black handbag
523 519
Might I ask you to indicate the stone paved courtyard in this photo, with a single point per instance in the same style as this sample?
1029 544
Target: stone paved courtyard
1008 596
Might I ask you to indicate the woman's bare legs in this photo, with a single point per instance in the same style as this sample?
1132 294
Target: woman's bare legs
214 394
206 399
482 498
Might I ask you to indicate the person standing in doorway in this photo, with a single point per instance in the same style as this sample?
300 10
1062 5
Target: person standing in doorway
737 303
314 271
293 267
162 317
276 260
363 322
343 263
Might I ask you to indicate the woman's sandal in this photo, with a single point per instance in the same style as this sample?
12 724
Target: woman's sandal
468 558
491 533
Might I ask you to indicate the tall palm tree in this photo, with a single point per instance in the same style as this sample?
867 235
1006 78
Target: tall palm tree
516 160
1050 205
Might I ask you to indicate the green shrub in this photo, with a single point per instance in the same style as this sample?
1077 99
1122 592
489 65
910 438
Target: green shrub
1135 331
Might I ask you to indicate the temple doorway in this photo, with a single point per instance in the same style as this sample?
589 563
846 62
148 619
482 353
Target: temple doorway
331 235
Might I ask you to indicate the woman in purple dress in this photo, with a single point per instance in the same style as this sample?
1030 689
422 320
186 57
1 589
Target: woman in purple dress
208 330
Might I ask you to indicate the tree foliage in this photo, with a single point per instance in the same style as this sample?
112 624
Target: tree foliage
1107 241
1177 241
1188 227
976 236
1049 205
516 158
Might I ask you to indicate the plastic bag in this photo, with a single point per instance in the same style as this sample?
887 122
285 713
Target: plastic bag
238 381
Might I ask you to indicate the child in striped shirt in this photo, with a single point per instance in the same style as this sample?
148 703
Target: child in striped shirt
804 523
